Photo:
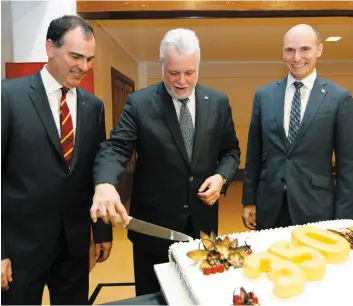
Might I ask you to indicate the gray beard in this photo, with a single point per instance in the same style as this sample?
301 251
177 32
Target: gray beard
169 91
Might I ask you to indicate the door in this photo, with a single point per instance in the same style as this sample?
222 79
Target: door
122 86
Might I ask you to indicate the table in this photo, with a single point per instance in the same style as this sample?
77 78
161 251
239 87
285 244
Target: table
172 292
148 299
171 288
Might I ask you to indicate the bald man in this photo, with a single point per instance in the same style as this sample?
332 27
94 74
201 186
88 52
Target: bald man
297 124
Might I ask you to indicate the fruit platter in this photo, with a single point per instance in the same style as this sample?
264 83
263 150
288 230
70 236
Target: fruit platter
216 254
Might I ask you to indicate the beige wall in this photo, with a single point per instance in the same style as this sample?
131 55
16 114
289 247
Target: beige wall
110 54
239 80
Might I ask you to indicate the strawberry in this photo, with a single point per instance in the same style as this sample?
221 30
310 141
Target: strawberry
220 269
214 270
206 271
251 294
238 301
255 299
235 299
249 251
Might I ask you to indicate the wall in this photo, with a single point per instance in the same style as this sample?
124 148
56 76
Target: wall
6 36
239 80
110 54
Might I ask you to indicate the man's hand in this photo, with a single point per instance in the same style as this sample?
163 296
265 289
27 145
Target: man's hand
107 204
6 273
210 190
103 251
249 216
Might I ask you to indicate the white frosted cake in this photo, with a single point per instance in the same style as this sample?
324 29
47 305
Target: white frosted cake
316 268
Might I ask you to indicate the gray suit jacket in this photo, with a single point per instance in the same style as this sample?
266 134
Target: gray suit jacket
306 167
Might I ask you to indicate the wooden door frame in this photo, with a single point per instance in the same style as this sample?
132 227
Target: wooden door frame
116 74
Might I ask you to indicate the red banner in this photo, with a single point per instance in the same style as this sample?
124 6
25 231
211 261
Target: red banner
15 70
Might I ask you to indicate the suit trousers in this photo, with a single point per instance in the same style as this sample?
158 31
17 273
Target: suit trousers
144 260
66 278
284 218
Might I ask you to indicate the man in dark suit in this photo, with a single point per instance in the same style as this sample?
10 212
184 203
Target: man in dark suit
50 134
297 124
187 151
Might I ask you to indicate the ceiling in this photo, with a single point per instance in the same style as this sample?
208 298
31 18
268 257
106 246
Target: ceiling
238 39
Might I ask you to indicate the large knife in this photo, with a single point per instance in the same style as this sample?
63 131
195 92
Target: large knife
151 229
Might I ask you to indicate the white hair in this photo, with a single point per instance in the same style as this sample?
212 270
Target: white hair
184 41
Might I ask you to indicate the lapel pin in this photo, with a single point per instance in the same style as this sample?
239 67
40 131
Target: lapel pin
323 90
206 98
83 103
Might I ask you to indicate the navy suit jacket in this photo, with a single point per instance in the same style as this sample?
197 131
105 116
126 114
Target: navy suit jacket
305 167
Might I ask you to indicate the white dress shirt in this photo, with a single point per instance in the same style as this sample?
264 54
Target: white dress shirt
53 91
305 91
191 104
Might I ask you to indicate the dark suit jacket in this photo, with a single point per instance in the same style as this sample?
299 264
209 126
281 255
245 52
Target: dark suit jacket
40 196
165 184
305 167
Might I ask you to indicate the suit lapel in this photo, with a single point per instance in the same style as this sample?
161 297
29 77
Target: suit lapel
80 123
202 104
166 106
40 100
279 108
317 95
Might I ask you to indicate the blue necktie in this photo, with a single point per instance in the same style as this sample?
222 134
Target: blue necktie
187 127
294 122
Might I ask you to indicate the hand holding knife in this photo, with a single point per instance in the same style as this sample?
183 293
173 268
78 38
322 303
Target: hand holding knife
151 229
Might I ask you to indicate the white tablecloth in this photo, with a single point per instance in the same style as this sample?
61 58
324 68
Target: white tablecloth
171 287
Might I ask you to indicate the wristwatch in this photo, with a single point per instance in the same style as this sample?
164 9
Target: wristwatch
224 185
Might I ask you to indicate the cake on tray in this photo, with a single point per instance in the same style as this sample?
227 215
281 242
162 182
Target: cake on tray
298 265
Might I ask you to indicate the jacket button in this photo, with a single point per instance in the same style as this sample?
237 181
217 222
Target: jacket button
191 178
185 206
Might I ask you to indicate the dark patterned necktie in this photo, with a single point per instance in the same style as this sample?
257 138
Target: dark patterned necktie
67 130
187 127
294 122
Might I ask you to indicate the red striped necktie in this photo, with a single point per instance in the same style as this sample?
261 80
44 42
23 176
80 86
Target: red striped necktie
67 130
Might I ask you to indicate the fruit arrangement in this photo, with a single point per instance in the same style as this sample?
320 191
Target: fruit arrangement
346 233
241 297
219 254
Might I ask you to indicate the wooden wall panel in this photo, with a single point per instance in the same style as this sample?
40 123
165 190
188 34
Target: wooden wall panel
109 54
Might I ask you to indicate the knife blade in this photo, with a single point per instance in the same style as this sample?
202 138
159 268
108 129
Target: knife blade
154 230
151 229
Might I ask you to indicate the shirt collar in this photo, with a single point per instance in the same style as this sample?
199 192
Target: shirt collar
308 81
50 84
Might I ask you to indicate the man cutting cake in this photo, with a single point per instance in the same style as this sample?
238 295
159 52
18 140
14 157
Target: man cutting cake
187 152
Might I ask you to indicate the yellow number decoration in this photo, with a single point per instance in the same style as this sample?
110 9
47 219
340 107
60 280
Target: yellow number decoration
288 277
334 247
311 261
